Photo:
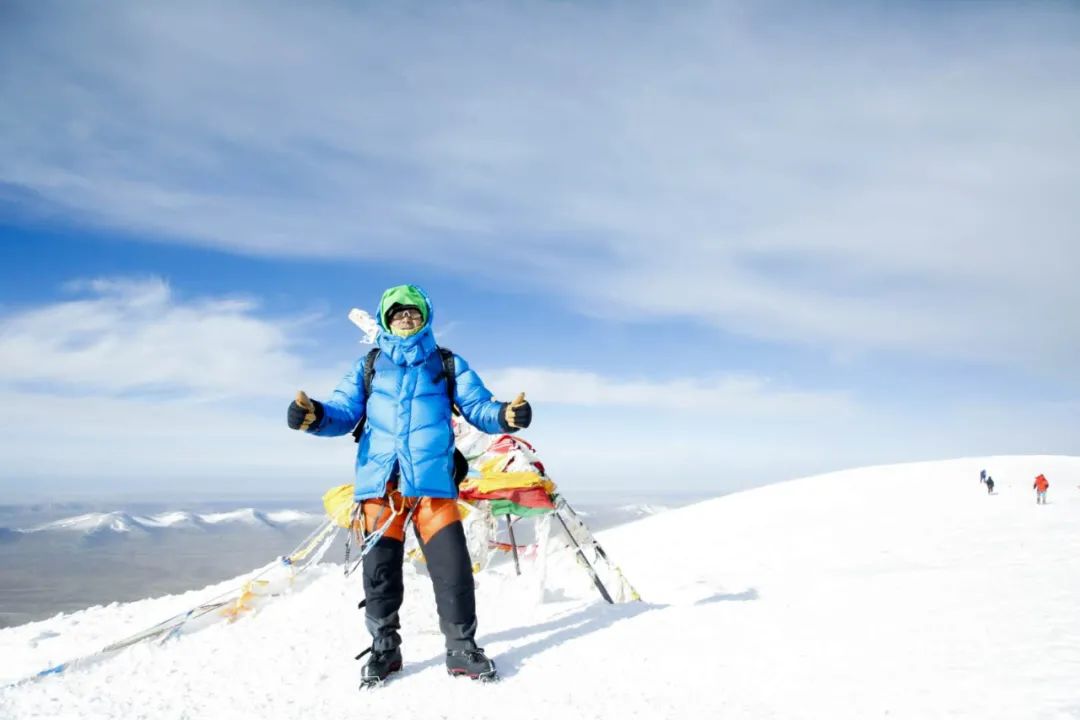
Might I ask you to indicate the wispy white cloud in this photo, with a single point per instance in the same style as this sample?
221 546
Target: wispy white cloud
57 445
745 396
129 386
900 180
134 337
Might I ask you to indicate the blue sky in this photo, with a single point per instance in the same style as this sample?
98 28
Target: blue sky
717 244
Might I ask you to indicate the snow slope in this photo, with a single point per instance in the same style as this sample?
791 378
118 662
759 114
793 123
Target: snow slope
902 592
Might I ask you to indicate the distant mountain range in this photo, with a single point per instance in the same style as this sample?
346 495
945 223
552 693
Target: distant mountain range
119 522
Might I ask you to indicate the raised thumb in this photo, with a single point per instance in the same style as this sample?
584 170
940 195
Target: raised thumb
304 401
518 401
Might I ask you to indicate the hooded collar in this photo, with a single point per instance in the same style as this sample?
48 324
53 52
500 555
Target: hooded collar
411 350
416 348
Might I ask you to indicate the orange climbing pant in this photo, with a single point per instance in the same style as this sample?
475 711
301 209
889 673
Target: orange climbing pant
429 515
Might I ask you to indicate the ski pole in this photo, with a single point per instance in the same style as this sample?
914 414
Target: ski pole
513 542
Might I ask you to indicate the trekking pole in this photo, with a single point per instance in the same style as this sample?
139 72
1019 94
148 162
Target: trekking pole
581 556
513 542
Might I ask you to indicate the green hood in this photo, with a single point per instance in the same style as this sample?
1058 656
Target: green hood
404 295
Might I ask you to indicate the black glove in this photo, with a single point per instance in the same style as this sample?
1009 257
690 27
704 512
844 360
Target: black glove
304 413
517 414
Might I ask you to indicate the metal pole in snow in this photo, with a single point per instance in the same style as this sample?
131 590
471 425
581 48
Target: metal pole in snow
513 542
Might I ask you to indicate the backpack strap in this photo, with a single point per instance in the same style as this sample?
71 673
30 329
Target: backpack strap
369 377
449 372
369 372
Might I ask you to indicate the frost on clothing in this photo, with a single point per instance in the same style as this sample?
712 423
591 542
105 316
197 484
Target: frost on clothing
408 415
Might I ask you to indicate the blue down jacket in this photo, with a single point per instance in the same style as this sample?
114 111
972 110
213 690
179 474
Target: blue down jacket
408 416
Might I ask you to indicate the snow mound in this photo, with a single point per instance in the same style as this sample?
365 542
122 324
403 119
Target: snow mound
903 591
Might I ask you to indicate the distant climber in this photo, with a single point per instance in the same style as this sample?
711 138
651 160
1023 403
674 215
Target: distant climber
1041 486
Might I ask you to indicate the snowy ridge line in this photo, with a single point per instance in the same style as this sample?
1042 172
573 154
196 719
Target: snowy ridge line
122 522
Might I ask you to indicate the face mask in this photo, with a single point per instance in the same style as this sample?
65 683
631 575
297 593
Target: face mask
399 332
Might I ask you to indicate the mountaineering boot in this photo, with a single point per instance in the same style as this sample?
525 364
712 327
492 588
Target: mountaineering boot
379 666
473 663
385 648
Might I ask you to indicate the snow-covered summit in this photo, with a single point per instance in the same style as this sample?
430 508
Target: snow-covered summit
244 516
175 519
903 591
119 522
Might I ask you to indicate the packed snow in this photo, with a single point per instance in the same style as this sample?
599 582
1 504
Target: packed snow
904 591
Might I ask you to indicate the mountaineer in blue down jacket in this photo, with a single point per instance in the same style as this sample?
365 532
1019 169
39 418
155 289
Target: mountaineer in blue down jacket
405 468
